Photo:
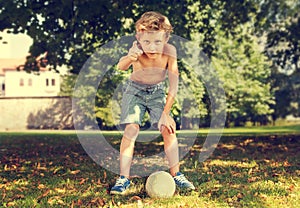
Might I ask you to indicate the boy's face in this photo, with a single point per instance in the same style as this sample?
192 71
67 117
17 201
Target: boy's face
152 43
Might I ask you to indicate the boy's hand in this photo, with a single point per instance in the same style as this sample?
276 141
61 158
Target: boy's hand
168 122
134 52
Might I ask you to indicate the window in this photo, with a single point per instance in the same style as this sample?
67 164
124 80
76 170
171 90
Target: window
3 87
21 82
29 82
47 82
53 82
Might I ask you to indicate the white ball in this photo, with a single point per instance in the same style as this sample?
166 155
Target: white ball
160 185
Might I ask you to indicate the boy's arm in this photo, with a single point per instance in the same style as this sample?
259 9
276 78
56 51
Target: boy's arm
173 76
133 55
124 63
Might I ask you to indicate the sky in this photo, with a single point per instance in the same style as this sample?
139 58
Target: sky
17 45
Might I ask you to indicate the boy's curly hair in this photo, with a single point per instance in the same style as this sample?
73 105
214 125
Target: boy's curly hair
153 21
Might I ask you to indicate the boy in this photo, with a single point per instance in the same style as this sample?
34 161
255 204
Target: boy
151 57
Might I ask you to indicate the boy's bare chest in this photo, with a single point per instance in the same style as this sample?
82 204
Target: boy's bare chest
145 63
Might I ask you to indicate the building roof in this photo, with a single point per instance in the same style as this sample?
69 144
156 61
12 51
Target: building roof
11 64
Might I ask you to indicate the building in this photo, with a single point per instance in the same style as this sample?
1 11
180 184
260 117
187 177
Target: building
16 83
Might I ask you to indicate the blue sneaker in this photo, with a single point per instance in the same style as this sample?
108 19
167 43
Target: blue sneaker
182 182
122 184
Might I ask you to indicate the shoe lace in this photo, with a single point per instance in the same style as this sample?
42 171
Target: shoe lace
120 181
181 179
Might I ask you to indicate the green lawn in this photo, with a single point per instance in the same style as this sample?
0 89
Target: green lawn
251 167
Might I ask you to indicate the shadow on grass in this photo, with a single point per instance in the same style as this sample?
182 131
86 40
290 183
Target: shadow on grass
258 171
42 170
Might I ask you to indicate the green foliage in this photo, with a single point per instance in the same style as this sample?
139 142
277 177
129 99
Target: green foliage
98 83
67 84
68 30
244 71
189 104
280 22
71 31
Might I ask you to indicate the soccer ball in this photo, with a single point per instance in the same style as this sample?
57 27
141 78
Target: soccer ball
160 185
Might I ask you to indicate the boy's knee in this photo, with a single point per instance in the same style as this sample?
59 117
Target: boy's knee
165 132
131 131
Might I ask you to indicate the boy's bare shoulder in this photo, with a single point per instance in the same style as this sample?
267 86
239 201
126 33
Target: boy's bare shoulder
170 50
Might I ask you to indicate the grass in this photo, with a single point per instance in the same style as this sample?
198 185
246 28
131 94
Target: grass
267 130
251 167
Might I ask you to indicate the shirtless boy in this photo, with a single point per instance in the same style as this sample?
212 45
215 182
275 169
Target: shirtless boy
151 58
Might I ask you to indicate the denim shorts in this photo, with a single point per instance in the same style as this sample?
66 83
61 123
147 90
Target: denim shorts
140 98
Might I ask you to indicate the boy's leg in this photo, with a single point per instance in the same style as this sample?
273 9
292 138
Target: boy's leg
171 149
126 153
127 148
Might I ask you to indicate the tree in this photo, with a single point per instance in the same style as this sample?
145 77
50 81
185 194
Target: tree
72 30
69 30
279 21
244 71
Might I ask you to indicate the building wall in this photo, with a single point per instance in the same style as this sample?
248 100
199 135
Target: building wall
21 83
2 84
21 113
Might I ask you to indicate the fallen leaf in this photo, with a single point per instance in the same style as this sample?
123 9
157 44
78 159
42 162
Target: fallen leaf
252 179
291 188
74 172
263 196
79 202
104 175
136 198
101 202
98 201
44 194
250 171
60 190
41 186
56 170
10 204
56 200
82 181
240 195
19 196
